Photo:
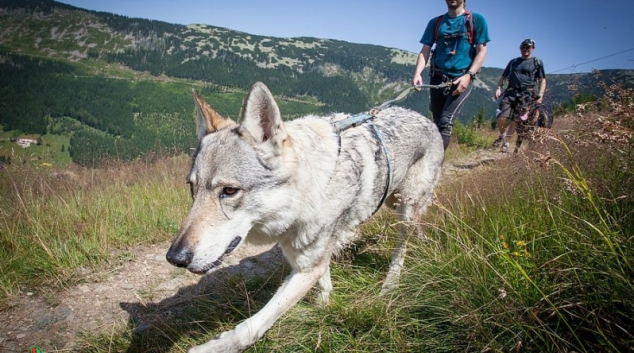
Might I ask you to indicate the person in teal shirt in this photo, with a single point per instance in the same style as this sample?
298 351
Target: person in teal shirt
458 39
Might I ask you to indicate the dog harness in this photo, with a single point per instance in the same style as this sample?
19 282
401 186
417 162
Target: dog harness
367 117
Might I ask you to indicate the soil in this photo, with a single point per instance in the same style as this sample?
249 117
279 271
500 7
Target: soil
54 319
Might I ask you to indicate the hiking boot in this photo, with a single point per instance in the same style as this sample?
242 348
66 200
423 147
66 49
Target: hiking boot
498 141
505 147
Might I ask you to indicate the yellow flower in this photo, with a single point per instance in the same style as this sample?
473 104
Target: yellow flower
520 243
505 245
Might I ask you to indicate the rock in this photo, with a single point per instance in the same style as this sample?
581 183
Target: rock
60 313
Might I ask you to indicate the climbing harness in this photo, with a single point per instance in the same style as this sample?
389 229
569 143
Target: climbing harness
367 117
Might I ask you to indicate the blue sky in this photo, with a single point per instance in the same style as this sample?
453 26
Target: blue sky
571 36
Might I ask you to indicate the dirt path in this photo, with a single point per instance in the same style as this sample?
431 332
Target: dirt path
105 300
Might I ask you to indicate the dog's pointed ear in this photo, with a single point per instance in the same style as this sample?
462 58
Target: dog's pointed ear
208 120
260 117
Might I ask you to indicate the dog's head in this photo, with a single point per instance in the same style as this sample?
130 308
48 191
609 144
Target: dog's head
234 180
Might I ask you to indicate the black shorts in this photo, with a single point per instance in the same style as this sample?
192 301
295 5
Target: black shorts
505 103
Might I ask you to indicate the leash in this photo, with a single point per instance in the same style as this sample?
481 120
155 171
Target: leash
409 90
366 117
353 121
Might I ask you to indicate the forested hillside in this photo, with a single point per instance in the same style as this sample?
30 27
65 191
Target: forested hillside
120 86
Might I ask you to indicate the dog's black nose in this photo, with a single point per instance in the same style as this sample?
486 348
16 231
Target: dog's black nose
179 258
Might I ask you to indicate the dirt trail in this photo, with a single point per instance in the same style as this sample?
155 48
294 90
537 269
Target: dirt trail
104 301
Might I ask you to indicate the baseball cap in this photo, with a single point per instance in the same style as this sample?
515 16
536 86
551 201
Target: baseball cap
529 42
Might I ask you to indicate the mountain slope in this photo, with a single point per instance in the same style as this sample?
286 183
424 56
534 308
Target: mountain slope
125 81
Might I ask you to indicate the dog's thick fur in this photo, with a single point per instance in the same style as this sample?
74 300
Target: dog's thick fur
301 185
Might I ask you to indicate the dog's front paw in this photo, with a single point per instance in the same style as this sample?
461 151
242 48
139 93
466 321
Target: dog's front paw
221 344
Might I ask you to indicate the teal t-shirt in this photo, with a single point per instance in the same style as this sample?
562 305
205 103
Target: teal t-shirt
452 35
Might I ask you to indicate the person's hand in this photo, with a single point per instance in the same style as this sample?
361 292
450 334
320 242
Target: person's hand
462 83
540 100
498 93
417 80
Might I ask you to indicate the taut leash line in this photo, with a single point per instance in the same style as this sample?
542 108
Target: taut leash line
406 93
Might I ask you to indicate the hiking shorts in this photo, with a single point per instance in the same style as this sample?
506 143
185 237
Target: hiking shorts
509 96
504 111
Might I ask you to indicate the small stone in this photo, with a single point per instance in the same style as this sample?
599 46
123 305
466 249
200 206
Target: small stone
28 294
20 336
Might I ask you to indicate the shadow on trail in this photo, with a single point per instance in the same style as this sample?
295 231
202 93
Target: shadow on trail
216 303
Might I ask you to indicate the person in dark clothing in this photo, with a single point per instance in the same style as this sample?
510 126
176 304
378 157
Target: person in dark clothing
523 74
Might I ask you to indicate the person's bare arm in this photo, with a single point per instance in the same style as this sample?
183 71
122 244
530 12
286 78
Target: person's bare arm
542 90
421 62
498 91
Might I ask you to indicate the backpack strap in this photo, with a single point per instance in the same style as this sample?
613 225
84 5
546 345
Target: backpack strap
537 63
438 21
469 25
468 22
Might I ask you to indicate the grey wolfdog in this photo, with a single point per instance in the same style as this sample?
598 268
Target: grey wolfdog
304 186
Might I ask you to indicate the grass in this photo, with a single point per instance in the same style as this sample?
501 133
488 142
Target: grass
51 224
531 254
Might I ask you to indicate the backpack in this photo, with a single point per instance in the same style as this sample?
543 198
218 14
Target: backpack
536 64
468 22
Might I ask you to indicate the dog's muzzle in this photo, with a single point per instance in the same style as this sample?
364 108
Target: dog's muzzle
180 258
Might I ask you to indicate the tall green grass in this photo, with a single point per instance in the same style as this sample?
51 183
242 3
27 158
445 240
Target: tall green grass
53 223
531 260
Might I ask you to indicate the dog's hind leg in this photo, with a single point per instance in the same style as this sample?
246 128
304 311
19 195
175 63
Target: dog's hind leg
405 216
417 191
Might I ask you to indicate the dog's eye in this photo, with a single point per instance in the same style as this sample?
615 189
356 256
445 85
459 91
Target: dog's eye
229 191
